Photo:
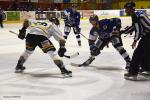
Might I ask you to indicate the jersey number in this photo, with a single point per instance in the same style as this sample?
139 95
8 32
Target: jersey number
42 23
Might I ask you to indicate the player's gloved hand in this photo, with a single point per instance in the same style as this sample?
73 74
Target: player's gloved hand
61 51
22 33
122 32
115 33
95 51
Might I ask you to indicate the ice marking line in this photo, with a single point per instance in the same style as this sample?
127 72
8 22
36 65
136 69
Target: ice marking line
20 74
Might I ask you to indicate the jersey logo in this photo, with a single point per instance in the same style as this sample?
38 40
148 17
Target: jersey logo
104 27
95 33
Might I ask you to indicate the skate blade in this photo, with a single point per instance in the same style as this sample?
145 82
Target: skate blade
138 78
131 78
19 71
76 65
67 75
145 74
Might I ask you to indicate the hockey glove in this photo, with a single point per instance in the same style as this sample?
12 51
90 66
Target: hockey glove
61 51
95 51
22 33
115 33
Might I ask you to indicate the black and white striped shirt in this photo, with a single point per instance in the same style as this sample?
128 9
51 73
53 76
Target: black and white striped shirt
140 24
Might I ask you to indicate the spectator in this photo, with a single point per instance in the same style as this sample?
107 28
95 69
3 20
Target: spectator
1 18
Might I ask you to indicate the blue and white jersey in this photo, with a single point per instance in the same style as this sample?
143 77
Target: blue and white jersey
107 26
73 18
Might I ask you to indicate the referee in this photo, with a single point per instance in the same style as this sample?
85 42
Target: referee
141 55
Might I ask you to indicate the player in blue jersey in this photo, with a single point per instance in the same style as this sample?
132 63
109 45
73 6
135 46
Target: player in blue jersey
103 32
72 19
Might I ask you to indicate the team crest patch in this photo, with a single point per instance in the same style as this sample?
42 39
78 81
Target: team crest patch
104 27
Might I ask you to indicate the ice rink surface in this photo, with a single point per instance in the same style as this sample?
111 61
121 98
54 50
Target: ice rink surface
103 80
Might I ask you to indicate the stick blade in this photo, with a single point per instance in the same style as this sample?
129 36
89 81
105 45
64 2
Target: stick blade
76 65
72 56
13 32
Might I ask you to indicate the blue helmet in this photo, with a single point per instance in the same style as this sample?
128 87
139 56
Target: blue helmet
93 17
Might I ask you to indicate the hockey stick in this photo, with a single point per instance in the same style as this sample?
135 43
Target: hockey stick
129 31
85 63
126 35
130 35
13 32
71 56
84 36
88 39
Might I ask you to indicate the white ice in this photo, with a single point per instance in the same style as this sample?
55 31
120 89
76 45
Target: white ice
103 80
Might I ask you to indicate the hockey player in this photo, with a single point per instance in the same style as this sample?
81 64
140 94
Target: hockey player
38 35
72 19
141 25
103 32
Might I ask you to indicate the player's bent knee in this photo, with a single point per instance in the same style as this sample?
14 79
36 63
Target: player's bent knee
47 46
49 49
53 55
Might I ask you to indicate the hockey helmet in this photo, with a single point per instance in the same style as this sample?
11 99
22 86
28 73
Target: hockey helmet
130 5
93 17
54 20
74 6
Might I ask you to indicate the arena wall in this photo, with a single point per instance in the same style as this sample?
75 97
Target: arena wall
19 16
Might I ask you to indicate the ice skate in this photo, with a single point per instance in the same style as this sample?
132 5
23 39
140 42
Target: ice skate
66 73
145 73
19 69
130 76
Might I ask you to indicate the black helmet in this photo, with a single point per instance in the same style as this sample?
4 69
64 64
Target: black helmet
54 20
130 5
93 17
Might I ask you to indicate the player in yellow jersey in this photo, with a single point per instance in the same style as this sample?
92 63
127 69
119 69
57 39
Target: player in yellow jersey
38 35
